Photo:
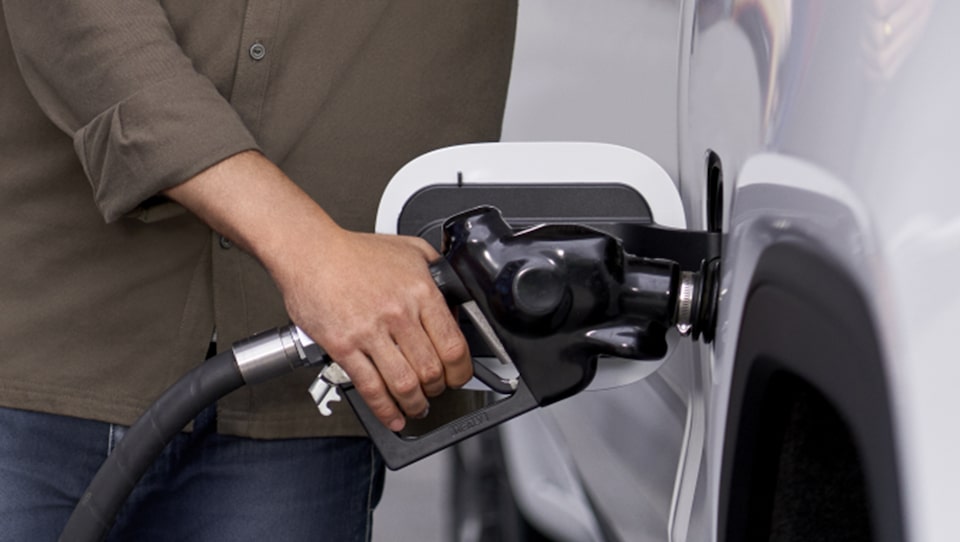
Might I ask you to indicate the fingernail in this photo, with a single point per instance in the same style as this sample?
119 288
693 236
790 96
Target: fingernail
424 414
397 425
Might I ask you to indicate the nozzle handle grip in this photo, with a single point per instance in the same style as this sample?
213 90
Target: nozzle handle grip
399 451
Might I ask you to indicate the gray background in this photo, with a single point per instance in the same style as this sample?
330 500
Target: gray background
603 70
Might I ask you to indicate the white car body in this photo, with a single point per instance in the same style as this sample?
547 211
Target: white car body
833 124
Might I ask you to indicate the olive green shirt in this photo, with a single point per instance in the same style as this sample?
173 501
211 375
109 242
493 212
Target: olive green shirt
108 293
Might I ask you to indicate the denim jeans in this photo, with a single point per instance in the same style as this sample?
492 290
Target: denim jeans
205 486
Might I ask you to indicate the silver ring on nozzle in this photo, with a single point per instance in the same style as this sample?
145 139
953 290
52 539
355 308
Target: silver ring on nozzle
684 316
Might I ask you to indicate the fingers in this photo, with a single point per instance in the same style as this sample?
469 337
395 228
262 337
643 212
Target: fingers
444 333
430 345
401 379
385 379
449 344
398 372
414 344
418 360
368 383
434 343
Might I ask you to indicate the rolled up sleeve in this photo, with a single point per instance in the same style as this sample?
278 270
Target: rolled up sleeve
112 76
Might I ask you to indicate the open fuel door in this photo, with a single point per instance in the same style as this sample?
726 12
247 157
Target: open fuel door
606 187
569 264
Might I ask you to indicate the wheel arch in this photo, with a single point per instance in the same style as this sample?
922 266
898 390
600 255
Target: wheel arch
807 338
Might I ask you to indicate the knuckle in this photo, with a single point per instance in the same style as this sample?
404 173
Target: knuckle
431 374
347 344
405 386
369 389
422 289
392 313
452 351
338 347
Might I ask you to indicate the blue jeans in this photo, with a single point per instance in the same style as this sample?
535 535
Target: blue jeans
205 486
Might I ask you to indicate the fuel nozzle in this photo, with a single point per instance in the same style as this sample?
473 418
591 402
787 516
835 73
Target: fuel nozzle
564 282
549 301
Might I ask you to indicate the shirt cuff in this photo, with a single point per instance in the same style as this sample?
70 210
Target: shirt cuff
156 139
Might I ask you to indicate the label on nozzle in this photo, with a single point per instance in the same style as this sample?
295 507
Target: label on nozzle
469 422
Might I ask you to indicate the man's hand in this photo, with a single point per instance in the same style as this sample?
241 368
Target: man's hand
367 299
370 302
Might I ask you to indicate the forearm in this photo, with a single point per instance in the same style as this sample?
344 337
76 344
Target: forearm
369 300
247 199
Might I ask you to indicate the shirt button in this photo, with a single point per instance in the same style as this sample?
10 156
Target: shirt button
225 243
258 51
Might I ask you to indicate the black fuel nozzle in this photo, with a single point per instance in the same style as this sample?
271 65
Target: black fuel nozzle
550 300
558 296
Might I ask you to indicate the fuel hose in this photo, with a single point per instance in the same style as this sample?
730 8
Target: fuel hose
256 359
143 442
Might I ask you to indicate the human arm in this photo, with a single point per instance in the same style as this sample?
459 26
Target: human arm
367 299
112 76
